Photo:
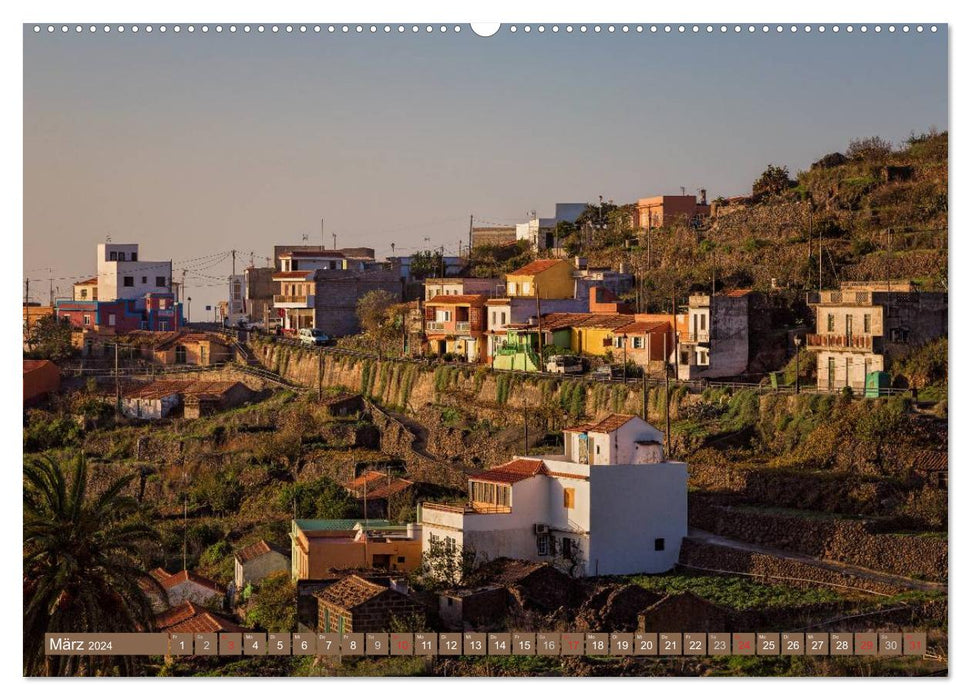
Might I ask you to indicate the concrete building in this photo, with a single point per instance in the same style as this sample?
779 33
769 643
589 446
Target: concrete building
257 561
258 288
716 341
862 327
159 399
540 233
493 236
157 311
457 325
123 275
546 279
610 505
513 313
86 290
667 210
453 286
322 546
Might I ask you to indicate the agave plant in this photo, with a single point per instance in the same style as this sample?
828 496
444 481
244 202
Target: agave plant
81 568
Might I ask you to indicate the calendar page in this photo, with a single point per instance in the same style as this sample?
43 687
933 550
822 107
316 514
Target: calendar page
525 349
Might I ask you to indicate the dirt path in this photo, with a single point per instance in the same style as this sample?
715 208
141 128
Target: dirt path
839 567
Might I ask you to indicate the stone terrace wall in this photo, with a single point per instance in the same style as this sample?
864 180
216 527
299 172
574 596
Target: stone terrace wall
714 558
837 539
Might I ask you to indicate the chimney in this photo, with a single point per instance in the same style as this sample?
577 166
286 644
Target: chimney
704 196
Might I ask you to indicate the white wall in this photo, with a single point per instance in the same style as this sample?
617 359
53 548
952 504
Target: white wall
112 273
630 507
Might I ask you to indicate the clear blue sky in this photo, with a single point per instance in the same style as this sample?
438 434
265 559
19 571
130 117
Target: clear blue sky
195 144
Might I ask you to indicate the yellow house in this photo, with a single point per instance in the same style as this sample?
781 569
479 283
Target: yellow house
319 547
548 279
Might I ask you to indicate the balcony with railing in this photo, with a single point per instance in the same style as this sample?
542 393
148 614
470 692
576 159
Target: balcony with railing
845 297
838 341
697 337
290 301
453 327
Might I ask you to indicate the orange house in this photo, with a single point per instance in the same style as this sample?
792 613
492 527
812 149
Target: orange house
319 547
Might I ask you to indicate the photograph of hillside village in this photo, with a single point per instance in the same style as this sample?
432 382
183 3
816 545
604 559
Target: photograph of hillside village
679 411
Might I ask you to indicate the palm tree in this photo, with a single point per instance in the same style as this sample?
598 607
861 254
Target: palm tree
81 571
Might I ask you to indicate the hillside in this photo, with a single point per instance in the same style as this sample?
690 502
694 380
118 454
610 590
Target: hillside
879 211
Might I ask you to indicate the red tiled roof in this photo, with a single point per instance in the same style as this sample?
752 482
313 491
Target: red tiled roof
642 327
737 293
605 425
500 301
559 320
159 574
535 267
86 283
183 576
475 299
365 478
188 617
512 472
256 550
384 490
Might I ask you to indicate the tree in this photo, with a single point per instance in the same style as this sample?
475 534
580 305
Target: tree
774 180
50 338
444 564
322 498
426 263
80 570
373 310
273 606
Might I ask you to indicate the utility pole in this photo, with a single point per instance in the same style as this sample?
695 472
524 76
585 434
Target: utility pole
470 235
51 271
667 403
674 328
441 252
117 383
539 329
234 263
26 291
334 236
322 246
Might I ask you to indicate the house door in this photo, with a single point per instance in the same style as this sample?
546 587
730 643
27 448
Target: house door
180 354
849 329
831 374
381 561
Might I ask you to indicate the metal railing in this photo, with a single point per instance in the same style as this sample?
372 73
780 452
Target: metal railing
290 299
837 340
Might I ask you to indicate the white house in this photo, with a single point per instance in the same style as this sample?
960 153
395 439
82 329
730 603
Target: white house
610 505
257 561
122 275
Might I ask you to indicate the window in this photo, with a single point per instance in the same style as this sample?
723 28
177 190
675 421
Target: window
128 282
495 316
526 287
111 319
569 547
898 335
326 620
511 288
112 255
180 355
160 282
866 323
134 257
490 494
202 355
163 325
830 323
504 318
87 320
703 321
401 560
659 544
121 257
543 545
568 498
84 293
637 342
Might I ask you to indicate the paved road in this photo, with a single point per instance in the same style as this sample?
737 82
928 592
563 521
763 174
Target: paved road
839 567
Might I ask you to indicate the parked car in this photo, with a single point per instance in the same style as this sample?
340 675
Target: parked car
313 336
564 364
606 373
